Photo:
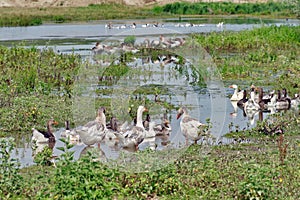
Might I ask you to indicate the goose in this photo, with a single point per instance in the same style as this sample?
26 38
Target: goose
295 102
164 42
126 48
263 103
145 25
164 128
146 122
133 26
283 102
131 138
220 25
190 127
71 135
150 133
241 102
98 48
272 103
251 105
42 136
237 95
93 131
110 132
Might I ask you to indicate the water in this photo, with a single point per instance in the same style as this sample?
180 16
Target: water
208 102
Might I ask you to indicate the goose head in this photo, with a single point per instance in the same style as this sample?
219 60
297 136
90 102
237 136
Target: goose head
101 118
233 86
50 123
181 111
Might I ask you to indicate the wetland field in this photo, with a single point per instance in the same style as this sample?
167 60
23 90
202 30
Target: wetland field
241 161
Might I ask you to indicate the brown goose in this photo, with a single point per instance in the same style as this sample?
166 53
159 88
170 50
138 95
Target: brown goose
43 136
241 102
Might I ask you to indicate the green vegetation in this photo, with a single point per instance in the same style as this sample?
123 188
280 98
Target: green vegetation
224 8
36 85
37 16
130 40
266 169
270 54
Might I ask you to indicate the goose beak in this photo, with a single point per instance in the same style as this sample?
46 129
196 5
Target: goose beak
231 86
55 123
178 116
146 109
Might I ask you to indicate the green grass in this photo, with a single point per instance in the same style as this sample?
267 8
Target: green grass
227 8
36 16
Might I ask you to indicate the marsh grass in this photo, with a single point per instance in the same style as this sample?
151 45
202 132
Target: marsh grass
36 16
217 8
270 54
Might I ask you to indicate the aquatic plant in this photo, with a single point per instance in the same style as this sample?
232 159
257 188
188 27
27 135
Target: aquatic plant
33 85
130 40
10 178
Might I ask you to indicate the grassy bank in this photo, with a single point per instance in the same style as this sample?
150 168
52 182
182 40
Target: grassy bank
228 8
268 169
36 16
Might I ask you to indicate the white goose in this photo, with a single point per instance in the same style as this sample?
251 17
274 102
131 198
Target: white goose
190 127
94 131
42 136
237 95
133 137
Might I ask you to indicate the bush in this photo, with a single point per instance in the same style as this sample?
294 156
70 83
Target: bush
130 40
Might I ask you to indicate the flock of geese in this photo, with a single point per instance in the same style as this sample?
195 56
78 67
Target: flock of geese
134 25
127 135
161 42
131 134
261 101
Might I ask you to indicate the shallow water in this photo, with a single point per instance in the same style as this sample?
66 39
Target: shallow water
208 101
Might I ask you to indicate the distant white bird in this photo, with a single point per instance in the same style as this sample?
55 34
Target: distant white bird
220 24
